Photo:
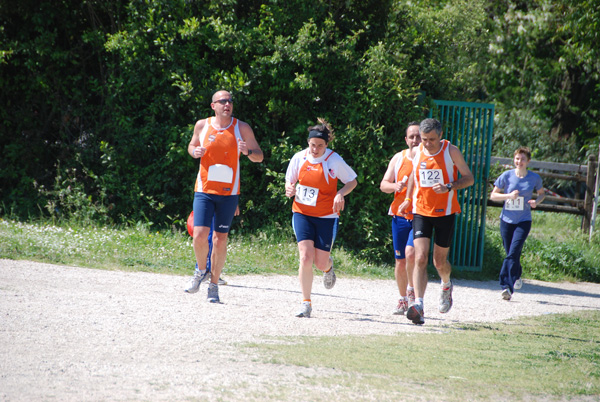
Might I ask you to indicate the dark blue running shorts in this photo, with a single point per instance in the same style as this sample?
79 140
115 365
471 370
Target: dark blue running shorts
402 235
321 231
221 207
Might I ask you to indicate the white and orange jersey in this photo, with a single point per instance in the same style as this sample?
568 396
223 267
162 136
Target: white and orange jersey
219 171
317 182
429 170
402 170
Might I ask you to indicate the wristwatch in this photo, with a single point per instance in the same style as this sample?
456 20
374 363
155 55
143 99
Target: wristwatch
449 186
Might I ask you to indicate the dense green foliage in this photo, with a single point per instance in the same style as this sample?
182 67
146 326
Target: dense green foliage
98 97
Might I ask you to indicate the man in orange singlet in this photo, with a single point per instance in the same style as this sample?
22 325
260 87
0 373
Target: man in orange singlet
394 181
433 186
218 141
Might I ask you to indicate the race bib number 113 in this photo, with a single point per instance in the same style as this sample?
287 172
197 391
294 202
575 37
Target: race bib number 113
307 195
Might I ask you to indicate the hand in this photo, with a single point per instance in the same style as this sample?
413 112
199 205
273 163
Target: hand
399 186
514 194
199 152
290 190
403 208
243 147
532 203
439 188
338 203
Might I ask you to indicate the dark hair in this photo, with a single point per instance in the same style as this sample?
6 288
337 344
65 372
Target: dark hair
413 123
324 127
429 125
525 151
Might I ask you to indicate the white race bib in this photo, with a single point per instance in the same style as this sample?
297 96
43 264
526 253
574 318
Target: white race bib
220 173
307 195
429 177
515 205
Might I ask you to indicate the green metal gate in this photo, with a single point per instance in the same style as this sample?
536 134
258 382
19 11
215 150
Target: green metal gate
469 126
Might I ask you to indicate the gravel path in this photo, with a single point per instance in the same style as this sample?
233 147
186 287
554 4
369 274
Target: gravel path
69 333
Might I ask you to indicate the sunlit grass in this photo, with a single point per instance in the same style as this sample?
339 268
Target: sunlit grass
555 250
524 359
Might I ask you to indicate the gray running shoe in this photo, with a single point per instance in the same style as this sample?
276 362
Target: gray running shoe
402 307
506 295
410 293
518 284
446 299
415 314
222 281
329 278
213 293
196 280
305 310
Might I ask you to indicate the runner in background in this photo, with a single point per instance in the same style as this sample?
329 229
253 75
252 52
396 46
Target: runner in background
394 181
516 187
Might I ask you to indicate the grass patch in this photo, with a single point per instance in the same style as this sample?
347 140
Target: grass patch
554 356
555 250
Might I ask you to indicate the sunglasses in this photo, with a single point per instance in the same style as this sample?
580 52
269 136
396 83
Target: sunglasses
224 101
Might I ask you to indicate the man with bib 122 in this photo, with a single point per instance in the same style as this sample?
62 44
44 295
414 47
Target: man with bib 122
433 189
218 141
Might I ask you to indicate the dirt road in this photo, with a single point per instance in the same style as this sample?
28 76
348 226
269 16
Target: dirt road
69 333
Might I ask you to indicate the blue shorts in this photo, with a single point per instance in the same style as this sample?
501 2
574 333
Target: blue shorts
220 207
402 235
321 231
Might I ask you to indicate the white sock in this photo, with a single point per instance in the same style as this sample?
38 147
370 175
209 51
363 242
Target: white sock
419 300
446 285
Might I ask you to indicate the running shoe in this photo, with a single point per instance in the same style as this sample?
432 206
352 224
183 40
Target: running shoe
446 299
518 284
415 314
506 295
410 293
305 310
402 307
213 293
222 281
196 280
329 278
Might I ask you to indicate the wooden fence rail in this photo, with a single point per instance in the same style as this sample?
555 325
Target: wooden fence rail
564 171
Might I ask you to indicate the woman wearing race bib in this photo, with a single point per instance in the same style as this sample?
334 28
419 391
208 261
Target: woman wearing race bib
515 187
312 179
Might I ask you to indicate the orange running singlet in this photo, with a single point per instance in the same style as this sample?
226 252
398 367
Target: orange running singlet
219 171
431 169
315 193
402 169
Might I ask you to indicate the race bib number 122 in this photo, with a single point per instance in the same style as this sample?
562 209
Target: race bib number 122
429 177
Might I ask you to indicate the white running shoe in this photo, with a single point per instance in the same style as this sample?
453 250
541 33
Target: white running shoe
213 293
196 280
518 284
410 293
446 299
402 308
305 310
329 278
506 295
415 314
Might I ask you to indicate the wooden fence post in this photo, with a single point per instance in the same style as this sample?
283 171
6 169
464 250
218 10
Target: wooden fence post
588 203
